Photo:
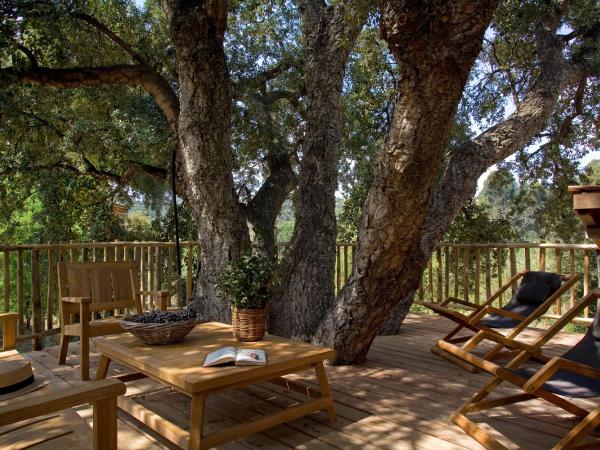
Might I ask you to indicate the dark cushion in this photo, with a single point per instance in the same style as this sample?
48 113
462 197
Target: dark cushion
569 384
533 293
595 328
535 289
498 321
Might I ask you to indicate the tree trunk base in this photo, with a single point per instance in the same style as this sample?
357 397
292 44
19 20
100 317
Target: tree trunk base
394 321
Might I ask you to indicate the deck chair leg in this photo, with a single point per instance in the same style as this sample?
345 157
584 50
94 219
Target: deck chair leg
579 432
476 432
457 361
64 348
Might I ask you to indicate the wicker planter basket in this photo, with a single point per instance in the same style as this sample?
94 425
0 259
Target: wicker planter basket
248 324
160 333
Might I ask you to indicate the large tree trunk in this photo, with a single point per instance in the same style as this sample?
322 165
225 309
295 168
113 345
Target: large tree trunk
435 47
205 158
308 268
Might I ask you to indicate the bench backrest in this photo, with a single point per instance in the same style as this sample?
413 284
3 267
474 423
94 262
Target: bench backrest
111 285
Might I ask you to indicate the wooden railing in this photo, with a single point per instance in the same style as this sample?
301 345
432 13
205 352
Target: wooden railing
29 280
468 271
474 271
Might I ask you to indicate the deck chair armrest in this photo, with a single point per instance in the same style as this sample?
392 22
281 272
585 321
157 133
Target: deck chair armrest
76 300
501 312
90 392
163 296
499 339
553 366
445 311
457 301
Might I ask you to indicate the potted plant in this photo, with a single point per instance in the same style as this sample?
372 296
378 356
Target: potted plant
247 283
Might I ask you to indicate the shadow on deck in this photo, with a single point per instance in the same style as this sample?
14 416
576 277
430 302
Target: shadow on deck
401 398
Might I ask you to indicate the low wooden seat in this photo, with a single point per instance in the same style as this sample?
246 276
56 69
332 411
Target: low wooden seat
38 416
87 289
35 421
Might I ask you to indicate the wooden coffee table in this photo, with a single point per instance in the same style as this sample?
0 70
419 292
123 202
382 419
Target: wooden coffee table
180 367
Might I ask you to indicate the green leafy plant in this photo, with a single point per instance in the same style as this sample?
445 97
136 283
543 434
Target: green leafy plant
247 281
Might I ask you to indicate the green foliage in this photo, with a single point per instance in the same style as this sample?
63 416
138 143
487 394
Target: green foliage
475 225
247 281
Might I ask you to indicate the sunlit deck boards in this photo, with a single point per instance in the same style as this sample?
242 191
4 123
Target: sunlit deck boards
401 398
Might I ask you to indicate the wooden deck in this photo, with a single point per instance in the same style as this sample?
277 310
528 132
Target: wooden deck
400 399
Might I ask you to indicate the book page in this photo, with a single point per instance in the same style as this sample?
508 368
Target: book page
251 357
221 356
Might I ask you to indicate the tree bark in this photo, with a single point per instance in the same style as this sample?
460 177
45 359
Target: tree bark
393 322
435 46
308 268
204 152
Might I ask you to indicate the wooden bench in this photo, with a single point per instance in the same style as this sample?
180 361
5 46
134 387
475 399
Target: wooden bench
90 288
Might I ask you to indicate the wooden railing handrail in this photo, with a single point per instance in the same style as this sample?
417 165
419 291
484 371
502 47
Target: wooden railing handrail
89 245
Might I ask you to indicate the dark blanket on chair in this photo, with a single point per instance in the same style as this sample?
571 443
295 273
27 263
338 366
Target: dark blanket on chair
569 384
535 289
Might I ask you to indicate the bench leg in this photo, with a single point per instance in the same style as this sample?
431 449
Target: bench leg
196 421
84 341
105 424
325 390
64 348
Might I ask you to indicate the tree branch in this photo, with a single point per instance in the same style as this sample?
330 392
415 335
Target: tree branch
29 54
129 75
95 23
470 160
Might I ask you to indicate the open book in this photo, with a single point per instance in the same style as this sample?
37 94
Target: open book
238 356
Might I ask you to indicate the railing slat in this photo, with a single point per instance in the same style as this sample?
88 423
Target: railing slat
6 279
36 303
447 272
586 279
20 291
51 290
466 274
438 253
188 287
477 274
557 257
488 273
513 268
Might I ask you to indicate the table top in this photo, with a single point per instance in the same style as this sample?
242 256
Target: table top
180 365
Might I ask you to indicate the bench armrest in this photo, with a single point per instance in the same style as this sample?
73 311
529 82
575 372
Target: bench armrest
76 300
8 316
90 392
9 330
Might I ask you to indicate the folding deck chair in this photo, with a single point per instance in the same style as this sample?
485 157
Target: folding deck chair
536 293
576 374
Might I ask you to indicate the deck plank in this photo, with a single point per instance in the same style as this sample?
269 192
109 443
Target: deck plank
401 398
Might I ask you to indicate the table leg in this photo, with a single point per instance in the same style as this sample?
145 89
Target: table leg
196 421
102 369
325 390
